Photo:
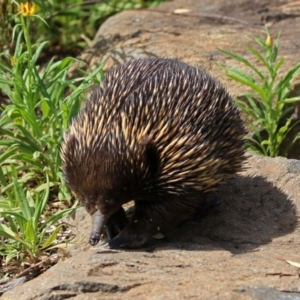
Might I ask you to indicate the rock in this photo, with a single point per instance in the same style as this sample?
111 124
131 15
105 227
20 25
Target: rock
235 250
194 37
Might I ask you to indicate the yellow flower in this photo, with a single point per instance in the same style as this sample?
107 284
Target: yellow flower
27 9
269 41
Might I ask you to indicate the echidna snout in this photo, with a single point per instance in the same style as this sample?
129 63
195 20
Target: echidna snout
156 131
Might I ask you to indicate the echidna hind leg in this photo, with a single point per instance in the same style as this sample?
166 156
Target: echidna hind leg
207 208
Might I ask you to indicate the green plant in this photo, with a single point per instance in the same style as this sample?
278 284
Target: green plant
40 110
6 21
64 21
43 101
267 106
29 234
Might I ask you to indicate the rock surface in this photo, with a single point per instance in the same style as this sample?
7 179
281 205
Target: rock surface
236 251
194 37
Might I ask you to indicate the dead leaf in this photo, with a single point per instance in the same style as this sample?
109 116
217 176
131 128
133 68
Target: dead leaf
295 264
181 11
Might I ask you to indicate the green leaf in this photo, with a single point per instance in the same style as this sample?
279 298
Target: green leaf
287 79
58 216
282 132
246 79
290 100
286 111
8 233
158 236
259 56
45 107
2 178
25 208
51 238
13 219
279 64
275 48
244 61
8 153
255 108
41 203
38 51
18 216
256 146
30 233
32 122
297 137
11 254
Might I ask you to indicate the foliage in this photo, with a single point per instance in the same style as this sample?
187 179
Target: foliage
7 22
28 233
42 102
71 24
267 106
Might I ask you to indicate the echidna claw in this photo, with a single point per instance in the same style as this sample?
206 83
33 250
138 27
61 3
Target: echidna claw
128 241
94 239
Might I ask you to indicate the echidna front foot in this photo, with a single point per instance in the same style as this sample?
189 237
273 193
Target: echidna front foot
130 237
116 223
113 225
131 242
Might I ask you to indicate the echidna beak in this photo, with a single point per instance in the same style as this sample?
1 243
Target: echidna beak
98 221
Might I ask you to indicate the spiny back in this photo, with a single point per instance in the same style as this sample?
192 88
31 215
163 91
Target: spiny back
154 125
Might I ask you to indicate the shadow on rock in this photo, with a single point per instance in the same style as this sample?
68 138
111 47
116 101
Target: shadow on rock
252 212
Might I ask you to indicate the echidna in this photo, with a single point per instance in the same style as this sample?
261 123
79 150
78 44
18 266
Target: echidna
156 131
